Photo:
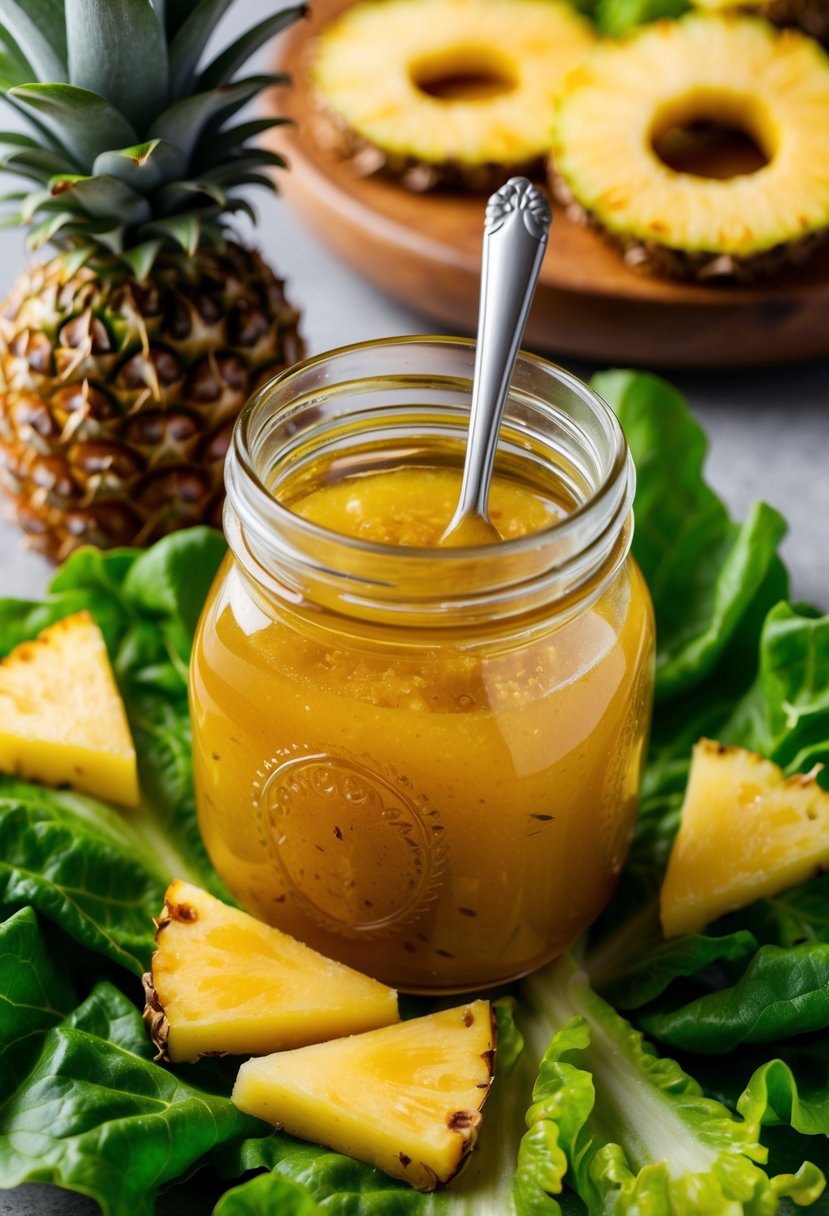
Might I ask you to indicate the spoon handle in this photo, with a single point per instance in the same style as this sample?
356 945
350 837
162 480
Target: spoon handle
515 236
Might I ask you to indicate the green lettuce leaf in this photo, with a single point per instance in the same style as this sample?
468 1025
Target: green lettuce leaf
785 1096
644 974
629 1130
774 1095
785 714
265 1195
170 581
88 581
80 864
708 576
96 1115
338 1184
783 992
100 873
36 994
617 17
790 918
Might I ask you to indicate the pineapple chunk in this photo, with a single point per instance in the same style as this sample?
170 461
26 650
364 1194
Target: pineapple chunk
747 831
222 981
62 720
406 1099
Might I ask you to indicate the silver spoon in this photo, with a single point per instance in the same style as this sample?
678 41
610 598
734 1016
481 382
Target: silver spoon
515 236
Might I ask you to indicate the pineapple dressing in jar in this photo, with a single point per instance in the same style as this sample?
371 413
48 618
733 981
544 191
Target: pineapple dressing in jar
422 761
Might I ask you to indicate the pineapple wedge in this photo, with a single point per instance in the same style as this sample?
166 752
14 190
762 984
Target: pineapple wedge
747 831
62 720
222 981
406 1099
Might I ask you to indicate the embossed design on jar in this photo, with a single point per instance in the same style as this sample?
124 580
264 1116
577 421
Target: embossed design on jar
353 845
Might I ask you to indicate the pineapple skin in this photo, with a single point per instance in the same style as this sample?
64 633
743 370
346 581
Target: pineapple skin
811 16
118 396
224 982
406 1099
62 720
747 832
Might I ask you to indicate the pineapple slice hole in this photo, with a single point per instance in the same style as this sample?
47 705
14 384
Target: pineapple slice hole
464 73
713 133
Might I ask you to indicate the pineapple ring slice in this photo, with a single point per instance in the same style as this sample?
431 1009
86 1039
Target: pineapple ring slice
435 90
733 70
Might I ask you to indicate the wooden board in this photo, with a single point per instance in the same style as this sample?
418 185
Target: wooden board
424 249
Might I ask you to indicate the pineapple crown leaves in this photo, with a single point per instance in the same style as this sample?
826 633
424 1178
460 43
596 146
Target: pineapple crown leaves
132 147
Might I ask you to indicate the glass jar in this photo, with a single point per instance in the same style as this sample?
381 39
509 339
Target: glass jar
423 762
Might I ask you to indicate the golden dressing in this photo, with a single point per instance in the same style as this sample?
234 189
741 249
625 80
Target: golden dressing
440 810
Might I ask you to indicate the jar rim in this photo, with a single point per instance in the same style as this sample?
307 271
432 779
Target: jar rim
241 450
561 563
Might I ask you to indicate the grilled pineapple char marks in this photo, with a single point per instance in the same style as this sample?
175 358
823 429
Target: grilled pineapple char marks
224 982
124 361
466 93
406 1098
737 71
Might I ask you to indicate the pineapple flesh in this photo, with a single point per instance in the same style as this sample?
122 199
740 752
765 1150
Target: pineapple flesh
466 91
222 981
406 1099
62 720
732 72
747 831
125 358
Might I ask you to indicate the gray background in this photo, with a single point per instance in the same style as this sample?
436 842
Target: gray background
769 433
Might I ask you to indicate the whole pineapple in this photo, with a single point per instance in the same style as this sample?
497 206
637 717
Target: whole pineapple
125 359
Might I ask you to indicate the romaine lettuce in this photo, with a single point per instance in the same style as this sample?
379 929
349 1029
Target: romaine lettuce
37 992
782 992
628 1129
85 1106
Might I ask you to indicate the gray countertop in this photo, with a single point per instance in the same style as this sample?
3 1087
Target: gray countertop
769 436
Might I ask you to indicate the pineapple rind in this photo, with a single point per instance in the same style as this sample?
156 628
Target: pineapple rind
735 68
62 719
385 122
811 16
406 1099
223 982
115 414
747 832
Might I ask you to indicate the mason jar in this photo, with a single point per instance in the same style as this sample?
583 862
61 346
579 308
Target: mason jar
422 761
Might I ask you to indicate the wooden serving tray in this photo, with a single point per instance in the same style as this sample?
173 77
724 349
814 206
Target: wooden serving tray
424 249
